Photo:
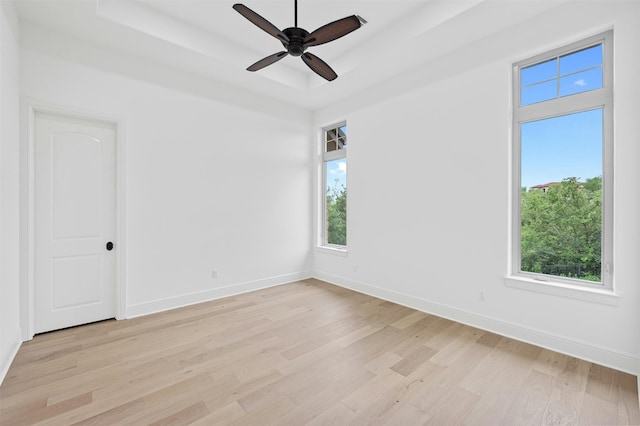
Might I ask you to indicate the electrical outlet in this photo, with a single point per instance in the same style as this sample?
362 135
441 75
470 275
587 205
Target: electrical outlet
214 274
481 295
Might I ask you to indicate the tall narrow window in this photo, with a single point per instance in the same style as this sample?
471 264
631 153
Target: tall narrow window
563 165
334 157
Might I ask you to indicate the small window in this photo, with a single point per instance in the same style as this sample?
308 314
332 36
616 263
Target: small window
563 75
336 138
334 188
563 165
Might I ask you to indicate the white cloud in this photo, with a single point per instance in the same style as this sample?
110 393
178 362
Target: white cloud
342 166
580 82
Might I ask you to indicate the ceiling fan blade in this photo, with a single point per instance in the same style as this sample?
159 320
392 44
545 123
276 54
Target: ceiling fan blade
319 66
333 30
267 61
260 22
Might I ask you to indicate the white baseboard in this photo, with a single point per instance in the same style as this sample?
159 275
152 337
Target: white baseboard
9 355
168 303
591 353
585 351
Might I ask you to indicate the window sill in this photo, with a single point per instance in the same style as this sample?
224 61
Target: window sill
602 296
336 251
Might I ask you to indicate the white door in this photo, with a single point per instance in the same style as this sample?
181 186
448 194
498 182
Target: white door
74 222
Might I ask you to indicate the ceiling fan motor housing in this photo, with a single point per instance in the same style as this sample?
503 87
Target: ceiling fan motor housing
296 35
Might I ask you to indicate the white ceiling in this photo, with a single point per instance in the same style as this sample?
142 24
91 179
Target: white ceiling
209 38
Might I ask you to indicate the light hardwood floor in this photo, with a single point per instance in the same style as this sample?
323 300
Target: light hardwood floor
303 353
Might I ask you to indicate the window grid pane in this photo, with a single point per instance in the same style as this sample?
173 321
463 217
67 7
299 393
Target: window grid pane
569 74
335 138
547 70
581 82
582 59
539 92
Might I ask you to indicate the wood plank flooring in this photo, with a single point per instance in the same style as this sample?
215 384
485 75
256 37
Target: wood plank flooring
304 353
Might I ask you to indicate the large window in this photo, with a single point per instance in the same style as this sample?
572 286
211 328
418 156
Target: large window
563 165
334 156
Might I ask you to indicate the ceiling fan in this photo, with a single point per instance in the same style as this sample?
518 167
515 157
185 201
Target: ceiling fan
296 40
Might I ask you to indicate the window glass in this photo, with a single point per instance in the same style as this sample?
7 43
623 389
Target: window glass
539 72
561 202
336 201
565 75
581 82
539 92
336 139
580 60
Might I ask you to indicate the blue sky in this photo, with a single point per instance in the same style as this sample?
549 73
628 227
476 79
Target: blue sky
337 172
561 147
569 145
337 169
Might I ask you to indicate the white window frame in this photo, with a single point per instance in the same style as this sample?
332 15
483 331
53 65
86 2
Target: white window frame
325 157
584 101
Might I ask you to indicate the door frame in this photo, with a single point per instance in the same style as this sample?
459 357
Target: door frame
27 207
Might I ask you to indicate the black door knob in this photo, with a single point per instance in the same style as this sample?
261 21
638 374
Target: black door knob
109 246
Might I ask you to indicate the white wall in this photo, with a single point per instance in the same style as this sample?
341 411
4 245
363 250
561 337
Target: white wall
209 184
429 190
9 183
219 178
